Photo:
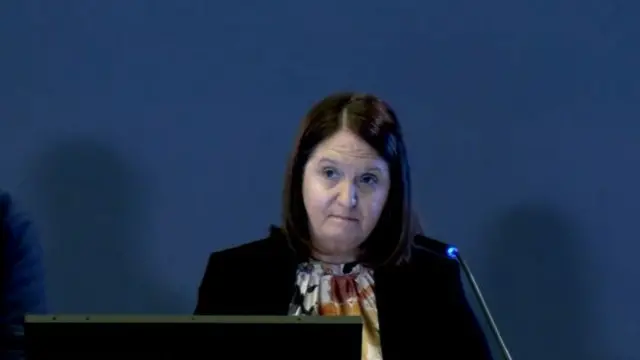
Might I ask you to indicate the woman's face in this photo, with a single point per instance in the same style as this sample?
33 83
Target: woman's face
345 188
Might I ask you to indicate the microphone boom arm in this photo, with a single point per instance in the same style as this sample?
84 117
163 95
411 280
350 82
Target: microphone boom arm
453 253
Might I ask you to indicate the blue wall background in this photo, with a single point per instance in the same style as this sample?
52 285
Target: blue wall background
142 135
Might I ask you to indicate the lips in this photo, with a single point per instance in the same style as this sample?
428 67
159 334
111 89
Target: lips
344 218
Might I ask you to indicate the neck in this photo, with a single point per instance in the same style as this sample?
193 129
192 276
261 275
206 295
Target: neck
334 258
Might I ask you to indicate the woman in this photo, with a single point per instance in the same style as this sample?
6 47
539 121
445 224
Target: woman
347 245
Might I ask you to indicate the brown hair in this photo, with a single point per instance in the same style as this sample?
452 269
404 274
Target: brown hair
375 122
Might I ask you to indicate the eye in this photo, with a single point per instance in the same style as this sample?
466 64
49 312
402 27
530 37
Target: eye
330 173
369 179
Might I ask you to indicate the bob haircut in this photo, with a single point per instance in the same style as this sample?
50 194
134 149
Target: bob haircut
375 122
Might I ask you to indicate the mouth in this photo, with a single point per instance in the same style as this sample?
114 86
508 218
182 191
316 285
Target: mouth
344 218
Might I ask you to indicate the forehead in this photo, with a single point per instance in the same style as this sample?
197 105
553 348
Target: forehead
346 147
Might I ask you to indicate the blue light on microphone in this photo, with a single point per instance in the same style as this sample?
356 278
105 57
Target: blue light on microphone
452 252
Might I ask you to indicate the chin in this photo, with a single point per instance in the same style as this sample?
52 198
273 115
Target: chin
337 243
340 237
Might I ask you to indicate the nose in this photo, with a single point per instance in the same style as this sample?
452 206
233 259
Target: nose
348 196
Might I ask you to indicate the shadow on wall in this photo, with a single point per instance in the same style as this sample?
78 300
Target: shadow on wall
537 285
92 203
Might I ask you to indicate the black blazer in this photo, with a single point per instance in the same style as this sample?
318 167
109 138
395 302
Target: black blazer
423 312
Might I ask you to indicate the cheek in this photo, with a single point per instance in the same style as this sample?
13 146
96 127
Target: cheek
315 199
374 205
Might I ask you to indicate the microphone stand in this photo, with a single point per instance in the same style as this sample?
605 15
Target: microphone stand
453 253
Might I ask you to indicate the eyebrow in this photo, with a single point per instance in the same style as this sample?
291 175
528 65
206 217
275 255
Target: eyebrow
333 162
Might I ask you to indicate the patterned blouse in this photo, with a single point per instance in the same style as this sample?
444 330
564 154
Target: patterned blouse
339 290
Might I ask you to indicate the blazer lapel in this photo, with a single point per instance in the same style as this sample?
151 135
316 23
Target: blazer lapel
276 284
281 288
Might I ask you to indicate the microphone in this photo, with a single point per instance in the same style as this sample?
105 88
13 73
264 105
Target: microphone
452 252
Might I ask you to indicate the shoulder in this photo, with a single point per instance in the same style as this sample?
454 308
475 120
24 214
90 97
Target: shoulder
271 248
6 208
21 251
430 261
16 228
430 255
223 289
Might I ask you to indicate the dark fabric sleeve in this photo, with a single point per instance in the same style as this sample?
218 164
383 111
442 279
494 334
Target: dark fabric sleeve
206 303
23 273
